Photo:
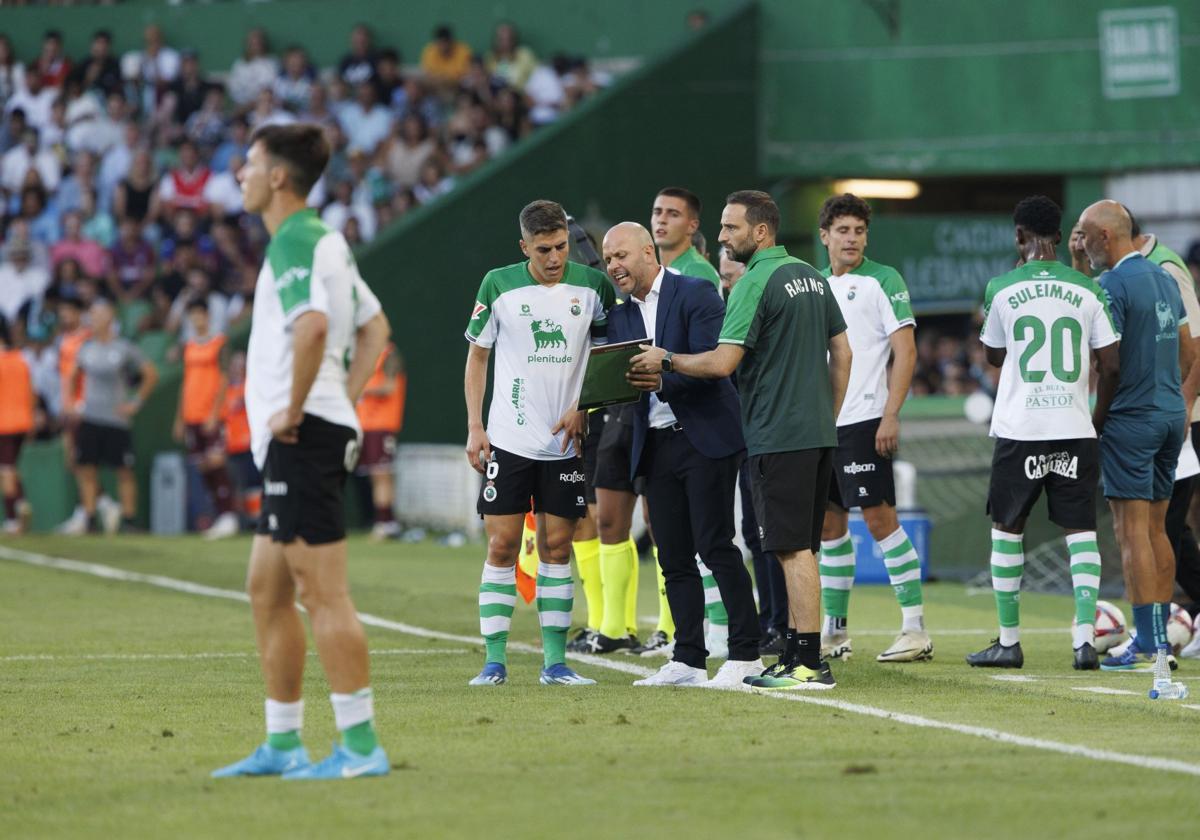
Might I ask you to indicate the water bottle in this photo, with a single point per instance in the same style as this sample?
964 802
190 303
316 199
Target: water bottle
1163 688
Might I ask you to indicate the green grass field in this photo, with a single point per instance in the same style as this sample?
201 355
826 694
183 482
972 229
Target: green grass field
117 697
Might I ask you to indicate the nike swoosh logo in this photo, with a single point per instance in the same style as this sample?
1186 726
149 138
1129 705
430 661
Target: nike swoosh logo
351 772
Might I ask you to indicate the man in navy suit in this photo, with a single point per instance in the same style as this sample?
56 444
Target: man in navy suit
687 442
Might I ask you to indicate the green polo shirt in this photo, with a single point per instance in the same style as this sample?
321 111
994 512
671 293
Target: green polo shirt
692 263
783 313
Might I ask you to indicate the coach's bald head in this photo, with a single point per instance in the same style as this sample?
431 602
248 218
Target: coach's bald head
630 258
1107 233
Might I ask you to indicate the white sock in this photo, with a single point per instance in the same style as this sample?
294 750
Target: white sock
284 717
1083 634
1009 636
352 709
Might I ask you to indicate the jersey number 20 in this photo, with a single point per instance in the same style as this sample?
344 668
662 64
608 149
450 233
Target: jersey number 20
1064 333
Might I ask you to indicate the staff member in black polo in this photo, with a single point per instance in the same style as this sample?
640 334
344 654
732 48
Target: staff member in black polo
687 441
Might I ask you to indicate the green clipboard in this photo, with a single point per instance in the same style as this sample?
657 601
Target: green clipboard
604 380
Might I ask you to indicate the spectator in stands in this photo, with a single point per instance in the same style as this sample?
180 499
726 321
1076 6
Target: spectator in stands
406 150
358 65
343 208
114 165
223 192
511 114
433 182
20 235
154 67
66 279
88 127
237 142
198 288
82 177
187 93
365 122
54 132
51 66
254 72
98 224
12 129
100 70
12 72
34 99
445 60
137 196
131 263
414 98
206 127
294 86
387 79
267 111
183 186
19 160
22 285
42 219
318 110
509 59
105 368
545 91
91 256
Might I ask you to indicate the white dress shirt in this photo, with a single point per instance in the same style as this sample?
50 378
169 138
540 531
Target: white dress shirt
661 415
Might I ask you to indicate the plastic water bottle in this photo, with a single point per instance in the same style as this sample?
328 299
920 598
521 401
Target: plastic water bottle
1163 687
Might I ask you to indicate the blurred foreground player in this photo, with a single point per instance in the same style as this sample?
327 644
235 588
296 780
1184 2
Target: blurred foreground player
312 312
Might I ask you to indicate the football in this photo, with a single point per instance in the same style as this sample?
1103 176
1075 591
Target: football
1110 626
1179 628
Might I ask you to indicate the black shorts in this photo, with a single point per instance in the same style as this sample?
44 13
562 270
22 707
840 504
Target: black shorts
790 491
510 481
378 453
245 474
591 449
1068 469
200 443
303 484
862 478
10 449
615 453
97 445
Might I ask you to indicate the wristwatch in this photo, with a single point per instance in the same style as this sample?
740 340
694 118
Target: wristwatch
666 362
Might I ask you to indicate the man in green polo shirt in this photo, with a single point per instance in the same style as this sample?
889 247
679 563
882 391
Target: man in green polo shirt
785 336
674 219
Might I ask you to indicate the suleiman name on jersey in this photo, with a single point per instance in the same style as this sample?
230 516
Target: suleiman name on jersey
1044 290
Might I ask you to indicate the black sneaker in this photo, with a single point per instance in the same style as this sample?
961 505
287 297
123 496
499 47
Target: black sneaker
582 643
606 644
997 656
1086 658
772 644
656 645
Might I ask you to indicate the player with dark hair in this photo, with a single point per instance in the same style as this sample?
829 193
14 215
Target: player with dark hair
1042 321
879 323
781 326
317 330
540 316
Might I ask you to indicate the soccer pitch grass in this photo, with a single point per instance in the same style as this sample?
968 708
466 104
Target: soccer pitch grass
119 696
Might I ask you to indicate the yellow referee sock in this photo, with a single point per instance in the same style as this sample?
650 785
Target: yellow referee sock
666 623
614 576
587 558
631 592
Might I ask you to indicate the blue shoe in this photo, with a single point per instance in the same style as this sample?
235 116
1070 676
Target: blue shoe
493 673
1132 658
345 764
266 761
560 674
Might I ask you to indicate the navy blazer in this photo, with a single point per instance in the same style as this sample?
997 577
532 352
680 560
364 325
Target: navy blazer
689 318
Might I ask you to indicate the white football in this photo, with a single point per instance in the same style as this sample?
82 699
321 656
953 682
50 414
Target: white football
1179 628
1110 626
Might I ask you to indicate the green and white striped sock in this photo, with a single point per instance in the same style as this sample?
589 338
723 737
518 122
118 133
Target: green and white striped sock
555 600
497 597
714 608
904 571
1085 579
1008 561
836 565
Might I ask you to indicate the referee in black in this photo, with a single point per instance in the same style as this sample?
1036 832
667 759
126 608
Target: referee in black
687 441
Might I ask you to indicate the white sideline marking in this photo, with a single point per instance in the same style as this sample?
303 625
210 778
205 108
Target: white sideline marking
1014 678
1102 689
133 657
1143 761
1189 706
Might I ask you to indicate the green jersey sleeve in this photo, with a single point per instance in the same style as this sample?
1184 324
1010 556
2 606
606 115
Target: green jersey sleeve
740 314
290 255
481 327
899 313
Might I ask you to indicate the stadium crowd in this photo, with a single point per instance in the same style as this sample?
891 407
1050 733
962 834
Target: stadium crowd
118 173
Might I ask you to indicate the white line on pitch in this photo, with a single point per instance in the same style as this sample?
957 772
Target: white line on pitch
1143 761
134 657
1103 689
